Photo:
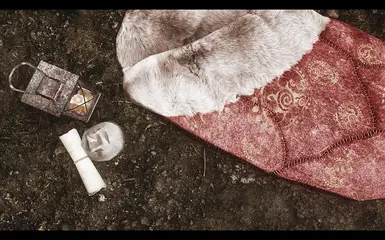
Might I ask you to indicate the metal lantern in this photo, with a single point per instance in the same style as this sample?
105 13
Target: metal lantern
58 92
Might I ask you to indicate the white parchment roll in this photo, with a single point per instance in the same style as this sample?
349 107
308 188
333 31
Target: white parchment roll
88 173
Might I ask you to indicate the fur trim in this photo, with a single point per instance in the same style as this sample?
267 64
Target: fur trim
144 33
203 76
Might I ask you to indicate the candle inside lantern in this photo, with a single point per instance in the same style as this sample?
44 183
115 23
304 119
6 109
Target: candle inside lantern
81 102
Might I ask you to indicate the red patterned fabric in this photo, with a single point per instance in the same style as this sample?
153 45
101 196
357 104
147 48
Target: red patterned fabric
319 123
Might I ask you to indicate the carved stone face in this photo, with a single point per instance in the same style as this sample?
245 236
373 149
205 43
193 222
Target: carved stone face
103 141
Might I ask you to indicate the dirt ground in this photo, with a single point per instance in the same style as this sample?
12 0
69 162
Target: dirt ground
157 182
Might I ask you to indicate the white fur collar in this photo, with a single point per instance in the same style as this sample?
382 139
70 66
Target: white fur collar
205 75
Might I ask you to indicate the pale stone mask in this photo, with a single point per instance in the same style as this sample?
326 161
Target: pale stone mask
103 141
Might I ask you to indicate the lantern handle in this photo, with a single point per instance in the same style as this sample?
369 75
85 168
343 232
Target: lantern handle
13 71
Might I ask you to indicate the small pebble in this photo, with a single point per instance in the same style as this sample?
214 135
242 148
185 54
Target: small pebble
59 150
144 221
101 198
66 24
333 13
33 35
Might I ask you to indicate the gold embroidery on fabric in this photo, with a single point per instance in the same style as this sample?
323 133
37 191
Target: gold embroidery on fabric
366 54
322 73
348 116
